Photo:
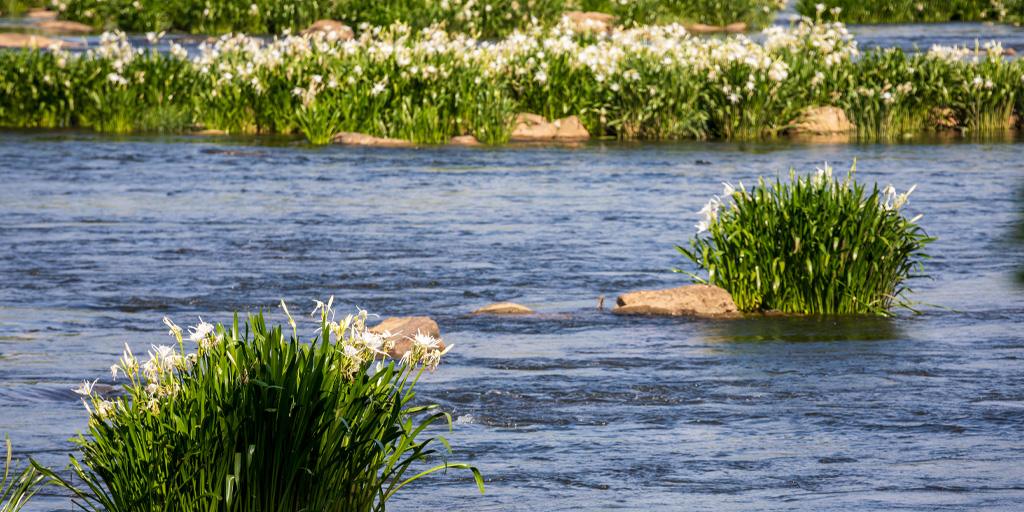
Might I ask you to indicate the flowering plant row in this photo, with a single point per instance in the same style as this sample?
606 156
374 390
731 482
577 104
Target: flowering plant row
427 86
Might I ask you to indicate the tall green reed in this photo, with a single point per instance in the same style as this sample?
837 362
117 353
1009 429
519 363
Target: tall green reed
17 488
257 420
814 245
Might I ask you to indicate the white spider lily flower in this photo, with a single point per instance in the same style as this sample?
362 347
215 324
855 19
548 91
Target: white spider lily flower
425 341
106 408
86 388
200 331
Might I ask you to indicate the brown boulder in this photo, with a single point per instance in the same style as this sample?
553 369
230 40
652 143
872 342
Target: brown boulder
361 139
40 13
736 27
692 300
340 30
404 329
208 132
571 128
534 128
590 21
31 41
824 120
700 28
503 308
463 140
64 27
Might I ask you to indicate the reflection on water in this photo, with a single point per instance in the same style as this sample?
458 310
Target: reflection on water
573 409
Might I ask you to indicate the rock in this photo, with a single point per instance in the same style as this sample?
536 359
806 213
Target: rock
329 27
404 329
824 120
534 128
208 132
463 140
31 41
64 27
700 28
736 27
695 300
361 139
599 22
41 13
570 128
503 308
942 118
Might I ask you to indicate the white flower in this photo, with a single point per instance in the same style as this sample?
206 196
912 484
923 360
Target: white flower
701 226
541 76
378 87
200 331
729 189
106 408
425 341
734 98
254 10
86 388
113 371
175 330
819 8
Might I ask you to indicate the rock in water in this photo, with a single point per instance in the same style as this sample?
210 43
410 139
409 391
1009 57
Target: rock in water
503 308
64 27
824 120
333 29
534 128
32 41
361 139
404 329
571 129
692 300
590 21
463 140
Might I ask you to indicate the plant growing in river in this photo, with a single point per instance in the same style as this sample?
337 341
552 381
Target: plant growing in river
256 420
815 245
16 488
905 11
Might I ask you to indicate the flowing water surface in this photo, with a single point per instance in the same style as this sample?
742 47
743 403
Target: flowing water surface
570 409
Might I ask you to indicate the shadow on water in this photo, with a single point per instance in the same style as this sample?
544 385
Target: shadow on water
802 329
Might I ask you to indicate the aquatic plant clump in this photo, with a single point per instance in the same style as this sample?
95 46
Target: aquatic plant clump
256 420
814 245
428 86
907 11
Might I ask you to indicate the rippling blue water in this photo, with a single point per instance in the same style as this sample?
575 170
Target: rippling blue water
574 409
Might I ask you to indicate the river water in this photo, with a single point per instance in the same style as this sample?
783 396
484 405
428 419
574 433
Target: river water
571 409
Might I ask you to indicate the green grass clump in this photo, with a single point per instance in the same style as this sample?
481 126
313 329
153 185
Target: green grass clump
815 245
905 11
16 488
257 420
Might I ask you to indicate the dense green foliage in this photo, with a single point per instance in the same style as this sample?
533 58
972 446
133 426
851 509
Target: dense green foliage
494 18
815 245
909 11
256 420
16 488
646 83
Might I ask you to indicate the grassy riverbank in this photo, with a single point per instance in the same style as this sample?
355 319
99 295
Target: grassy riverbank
493 18
913 11
645 83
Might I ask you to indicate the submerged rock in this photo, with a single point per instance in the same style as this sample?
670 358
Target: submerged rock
362 139
64 27
404 329
599 22
534 128
463 140
692 300
329 27
824 120
503 308
32 41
